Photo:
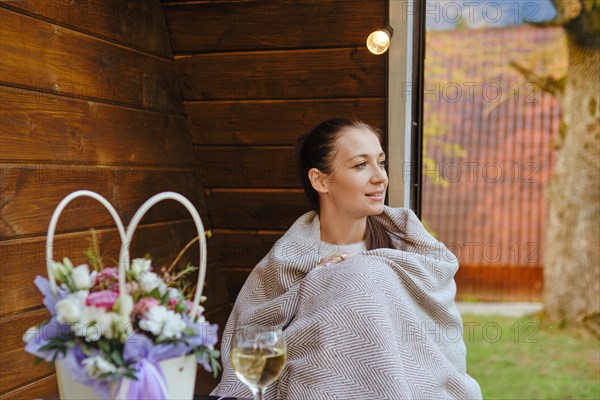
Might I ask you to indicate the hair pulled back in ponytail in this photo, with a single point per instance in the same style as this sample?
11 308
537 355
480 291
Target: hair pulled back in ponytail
315 149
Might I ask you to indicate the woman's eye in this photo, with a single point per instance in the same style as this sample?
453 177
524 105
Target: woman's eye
383 163
361 165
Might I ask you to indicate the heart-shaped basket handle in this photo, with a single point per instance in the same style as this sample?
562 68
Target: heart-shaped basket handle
54 220
135 220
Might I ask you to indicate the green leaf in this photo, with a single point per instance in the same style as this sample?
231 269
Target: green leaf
104 346
129 373
216 366
117 357
105 376
86 349
189 331
156 294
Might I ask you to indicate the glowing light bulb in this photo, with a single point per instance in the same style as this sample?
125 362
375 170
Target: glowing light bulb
379 41
381 38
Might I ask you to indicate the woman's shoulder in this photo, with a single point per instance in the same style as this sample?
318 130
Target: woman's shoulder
398 211
399 215
401 220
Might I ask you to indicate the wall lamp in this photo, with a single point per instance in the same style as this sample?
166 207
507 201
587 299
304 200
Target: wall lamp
379 41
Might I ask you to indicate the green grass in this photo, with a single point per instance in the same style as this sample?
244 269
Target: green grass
518 358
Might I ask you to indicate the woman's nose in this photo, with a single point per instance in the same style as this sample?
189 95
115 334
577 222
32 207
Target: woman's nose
379 176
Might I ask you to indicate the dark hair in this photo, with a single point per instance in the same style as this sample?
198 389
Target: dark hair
316 149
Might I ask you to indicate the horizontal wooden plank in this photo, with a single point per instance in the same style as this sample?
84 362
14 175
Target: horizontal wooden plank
30 193
256 208
17 366
247 167
236 277
500 283
43 127
45 388
52 58
215 285
273 122
238 248
139 24
14 326
297 74
23 259
218 26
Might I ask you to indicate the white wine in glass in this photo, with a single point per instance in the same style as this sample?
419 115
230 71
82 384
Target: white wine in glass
258 356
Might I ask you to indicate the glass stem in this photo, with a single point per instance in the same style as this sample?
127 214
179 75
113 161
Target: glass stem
259 394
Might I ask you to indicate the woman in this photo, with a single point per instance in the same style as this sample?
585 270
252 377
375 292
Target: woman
364 294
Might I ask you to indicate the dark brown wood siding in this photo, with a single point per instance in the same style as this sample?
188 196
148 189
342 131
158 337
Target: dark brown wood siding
255 75
89 99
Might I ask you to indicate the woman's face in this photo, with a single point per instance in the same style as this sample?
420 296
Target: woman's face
357 183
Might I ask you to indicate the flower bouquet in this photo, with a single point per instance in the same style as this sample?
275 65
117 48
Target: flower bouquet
129 332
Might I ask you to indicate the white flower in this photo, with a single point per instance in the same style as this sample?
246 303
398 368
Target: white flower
96 322
82 278
110 324
31 332
68 310
97 365
173 293
140 266
150 281
166 324
87 326
61 270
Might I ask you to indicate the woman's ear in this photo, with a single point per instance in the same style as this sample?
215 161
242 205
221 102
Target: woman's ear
317 180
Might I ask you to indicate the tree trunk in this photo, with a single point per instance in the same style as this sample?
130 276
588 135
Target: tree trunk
572 255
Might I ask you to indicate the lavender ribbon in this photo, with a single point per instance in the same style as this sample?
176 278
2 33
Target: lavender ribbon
150 383
73 364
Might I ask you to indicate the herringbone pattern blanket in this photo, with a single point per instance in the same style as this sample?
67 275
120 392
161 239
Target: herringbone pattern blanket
380 325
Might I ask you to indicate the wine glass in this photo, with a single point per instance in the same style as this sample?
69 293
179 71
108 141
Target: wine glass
257 356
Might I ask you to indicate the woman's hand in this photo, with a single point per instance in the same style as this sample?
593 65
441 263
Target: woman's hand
336 258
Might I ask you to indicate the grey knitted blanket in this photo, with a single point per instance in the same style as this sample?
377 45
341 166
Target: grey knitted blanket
379 325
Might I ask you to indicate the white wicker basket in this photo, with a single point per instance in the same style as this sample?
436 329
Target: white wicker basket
180 372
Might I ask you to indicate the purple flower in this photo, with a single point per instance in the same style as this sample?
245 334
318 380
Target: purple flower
43 336
206 334
49 299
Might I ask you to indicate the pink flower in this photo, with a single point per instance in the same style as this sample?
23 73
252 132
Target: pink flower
190 305
145 304
172 304
111 272
108 278
103 299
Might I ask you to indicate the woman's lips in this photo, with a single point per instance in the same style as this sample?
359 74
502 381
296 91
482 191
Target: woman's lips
375 195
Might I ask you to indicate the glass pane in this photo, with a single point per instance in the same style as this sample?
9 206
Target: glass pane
488 136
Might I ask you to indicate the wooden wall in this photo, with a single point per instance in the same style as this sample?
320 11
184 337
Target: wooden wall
254 76
94 95
89 99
